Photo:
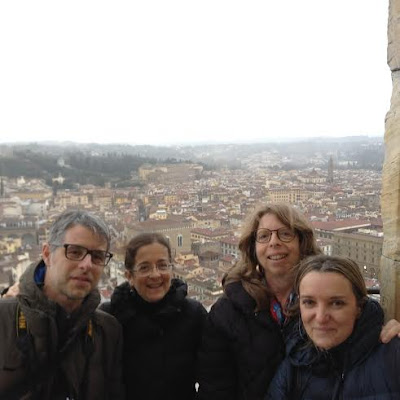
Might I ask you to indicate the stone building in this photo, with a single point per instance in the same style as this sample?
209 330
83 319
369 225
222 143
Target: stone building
209 259
364 248
170 172
230 246
67 199
327 229
209 235
288 195
177 232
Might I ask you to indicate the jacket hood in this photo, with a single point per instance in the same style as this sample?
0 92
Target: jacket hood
126 301
355 349
30 293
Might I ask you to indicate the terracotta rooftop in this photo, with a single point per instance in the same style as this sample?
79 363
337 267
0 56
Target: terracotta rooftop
210 232
340 225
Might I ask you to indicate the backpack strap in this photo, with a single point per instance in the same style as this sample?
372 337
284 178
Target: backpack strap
21 324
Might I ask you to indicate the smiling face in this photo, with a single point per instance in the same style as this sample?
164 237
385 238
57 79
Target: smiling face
328 308
68 282
153 287
277 258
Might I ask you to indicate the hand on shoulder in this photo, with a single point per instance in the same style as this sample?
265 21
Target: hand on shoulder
12 291
390 330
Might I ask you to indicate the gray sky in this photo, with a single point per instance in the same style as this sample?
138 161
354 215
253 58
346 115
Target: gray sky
168 71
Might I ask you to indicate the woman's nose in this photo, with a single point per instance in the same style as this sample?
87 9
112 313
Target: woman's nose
322 314
154 271
274 239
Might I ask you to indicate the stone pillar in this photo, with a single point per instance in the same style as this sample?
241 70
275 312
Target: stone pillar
390 262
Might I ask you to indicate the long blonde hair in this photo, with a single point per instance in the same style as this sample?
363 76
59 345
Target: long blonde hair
246 269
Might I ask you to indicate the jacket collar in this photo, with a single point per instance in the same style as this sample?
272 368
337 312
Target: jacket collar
126 301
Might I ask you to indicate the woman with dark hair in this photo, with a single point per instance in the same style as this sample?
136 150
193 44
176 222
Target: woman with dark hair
161 326
335 351
243 339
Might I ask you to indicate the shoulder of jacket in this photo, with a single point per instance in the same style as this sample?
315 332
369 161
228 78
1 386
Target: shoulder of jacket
8 307
223 312
105 307
8 320
195 305
9 302
390 349
280 385
194 310
223 304
105 320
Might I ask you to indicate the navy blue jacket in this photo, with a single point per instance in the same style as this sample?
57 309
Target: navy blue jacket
360 368
161 341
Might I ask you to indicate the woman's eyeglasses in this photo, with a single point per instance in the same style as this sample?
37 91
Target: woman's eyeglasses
145 269
263 235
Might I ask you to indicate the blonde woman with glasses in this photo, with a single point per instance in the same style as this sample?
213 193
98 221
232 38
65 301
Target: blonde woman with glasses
161 326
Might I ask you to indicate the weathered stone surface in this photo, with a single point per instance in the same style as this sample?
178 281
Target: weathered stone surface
394 35
390 201
390 291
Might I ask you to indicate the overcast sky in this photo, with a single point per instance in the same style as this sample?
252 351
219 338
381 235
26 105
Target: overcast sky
168 71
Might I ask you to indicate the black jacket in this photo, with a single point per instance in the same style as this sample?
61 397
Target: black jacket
360 368
161 342
57 356
241 349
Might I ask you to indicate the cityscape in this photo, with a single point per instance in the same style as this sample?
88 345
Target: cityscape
196 195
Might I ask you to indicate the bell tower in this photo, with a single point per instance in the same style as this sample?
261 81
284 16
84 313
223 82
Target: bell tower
330 170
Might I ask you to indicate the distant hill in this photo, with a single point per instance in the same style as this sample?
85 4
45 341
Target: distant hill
76 166
96 164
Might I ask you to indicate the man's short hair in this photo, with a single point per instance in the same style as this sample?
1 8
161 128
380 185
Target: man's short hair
69 219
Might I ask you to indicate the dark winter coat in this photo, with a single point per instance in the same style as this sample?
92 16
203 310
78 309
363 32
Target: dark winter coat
360 368
241 349
49 363
161 342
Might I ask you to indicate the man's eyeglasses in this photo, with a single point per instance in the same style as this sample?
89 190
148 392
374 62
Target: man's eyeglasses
263 235
75 252
146 269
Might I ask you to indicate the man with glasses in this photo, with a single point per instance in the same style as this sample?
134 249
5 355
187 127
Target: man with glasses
54 343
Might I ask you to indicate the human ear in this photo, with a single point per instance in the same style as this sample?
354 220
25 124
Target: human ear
46 253
359 310
360 307
128 275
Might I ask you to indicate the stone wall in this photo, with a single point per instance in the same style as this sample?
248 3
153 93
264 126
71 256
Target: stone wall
390 263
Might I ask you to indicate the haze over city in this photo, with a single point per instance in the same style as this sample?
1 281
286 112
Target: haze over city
199 196
183 72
